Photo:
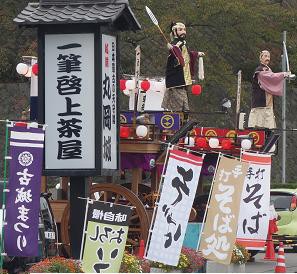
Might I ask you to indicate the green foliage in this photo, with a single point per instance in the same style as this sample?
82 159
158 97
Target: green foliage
291 185
56 265
130 264
240 254
183 264
15 42
231 33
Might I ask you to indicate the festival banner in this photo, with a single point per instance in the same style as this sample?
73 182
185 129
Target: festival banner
163 120
23 198
177 196
254 208
219 232
106 235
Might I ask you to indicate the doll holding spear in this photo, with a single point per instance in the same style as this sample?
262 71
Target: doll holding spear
180 67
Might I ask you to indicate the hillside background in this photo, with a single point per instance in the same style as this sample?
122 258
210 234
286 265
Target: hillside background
231 33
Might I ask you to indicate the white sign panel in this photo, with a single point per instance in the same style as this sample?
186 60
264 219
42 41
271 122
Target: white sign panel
69 101
109 103
153 97
254 208
178 193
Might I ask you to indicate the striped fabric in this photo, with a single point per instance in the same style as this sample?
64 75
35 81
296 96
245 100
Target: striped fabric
21 137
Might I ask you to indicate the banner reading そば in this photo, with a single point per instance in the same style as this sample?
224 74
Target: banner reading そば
254 207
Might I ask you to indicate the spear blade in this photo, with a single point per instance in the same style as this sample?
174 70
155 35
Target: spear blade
151 15
286 56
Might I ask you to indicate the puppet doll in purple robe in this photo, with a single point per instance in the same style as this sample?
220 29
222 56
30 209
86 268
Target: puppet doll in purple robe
265 85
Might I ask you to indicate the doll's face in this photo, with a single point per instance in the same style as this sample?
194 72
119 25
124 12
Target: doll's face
181 32
265 58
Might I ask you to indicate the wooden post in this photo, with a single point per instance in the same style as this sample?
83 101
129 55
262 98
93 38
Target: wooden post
77 213
43 184
136 179
64 183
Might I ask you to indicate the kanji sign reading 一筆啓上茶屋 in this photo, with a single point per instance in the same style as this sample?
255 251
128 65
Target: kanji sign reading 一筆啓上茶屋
109 103
69 109
219 231
105 238
178 193
23 198
253 219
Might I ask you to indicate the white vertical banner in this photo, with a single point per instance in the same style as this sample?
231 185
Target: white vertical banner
69 95
109 103
254 207
174 207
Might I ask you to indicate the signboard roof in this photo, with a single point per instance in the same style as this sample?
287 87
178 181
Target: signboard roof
79 11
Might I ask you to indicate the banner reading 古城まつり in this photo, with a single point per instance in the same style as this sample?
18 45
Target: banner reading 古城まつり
253 219
23 198
219 232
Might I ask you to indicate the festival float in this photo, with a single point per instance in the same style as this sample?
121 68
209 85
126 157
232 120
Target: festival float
150 136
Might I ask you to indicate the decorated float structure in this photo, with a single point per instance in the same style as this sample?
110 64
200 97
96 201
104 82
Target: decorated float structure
145 130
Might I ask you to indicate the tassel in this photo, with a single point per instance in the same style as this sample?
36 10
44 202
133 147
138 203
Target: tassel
200 69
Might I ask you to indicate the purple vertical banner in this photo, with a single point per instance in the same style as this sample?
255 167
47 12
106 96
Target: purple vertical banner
23 198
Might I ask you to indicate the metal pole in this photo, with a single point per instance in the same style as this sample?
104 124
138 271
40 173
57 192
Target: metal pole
284 126
238 99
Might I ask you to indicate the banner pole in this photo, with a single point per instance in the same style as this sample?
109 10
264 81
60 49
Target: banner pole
169 148
209 196
3 194
84 229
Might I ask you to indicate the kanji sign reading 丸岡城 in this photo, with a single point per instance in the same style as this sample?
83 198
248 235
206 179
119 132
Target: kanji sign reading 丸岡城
109 103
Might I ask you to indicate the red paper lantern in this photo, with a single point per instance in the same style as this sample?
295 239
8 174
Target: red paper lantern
123 84
196 89
20 124
201 142
145 85
124 132
35 69
226 144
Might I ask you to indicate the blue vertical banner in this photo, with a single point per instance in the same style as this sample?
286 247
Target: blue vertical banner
23 199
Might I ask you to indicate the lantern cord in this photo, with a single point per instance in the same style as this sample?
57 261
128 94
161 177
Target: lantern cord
21 121
202 153
103 202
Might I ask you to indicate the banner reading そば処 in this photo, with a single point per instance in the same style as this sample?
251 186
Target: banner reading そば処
219 232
